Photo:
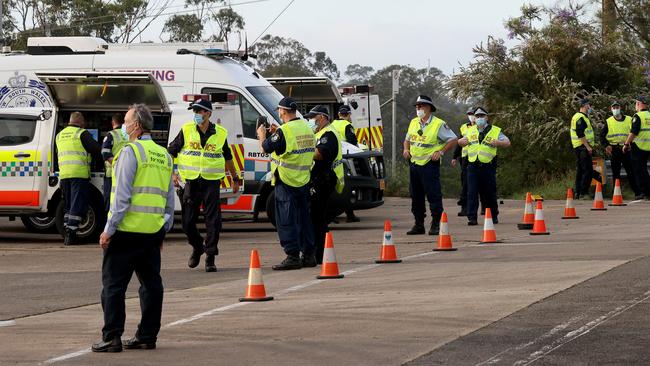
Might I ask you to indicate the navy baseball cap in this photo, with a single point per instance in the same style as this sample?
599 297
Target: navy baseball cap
470 110
201 103
344 109
423 99
615 104
288 103
319 109
583 102
642 98
481 111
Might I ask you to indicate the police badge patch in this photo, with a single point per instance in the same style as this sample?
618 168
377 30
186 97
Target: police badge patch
275 137
323 140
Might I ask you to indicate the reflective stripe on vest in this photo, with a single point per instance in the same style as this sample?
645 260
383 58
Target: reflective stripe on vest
339 125
74 160
617 131
589 131
425 143
118 143
294 164
463 130
642 140
206 161
337 164
146 213
480 150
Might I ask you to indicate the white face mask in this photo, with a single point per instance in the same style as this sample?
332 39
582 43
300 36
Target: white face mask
312 124
420 113
616 112
471 119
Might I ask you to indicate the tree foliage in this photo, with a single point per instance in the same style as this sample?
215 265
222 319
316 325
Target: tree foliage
194 27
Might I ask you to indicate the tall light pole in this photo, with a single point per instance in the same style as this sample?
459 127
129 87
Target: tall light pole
393 155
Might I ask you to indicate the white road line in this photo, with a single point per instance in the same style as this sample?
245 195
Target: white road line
522 244
574 334
7 323
236 305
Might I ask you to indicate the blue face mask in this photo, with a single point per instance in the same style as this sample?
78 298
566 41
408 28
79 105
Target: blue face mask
481 122
590 110
123 129
198 119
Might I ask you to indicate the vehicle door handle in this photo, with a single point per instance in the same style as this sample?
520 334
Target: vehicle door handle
22 155
239 136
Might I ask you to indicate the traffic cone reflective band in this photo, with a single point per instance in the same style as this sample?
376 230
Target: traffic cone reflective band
599 204
540 226
444 239
489 234
329 268
388 253
569 208
255 290
617 199
529 215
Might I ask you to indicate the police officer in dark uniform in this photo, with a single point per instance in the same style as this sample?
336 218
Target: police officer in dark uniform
638 142
460 154
323 177
343 125
582 140
613 135
292 153
112 144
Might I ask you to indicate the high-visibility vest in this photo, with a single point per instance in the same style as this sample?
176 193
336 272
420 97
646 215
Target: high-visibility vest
146 213
481 150
119 141
425 143
206 161
617 131
463 130
589 131
340 125
337 165
74 160
642 140
294 164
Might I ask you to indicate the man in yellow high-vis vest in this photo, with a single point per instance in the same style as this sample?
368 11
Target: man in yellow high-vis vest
203 157
75 149
460 155
582 140
482 141
292 153
141 213
345 129
112 144
613 135
638 142
326 173
428 138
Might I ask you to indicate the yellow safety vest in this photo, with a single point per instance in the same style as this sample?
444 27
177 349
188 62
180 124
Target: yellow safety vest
339 125
119 141
642 140
206 161
337 165
146 213
589 131
74 160
425 143
481 150
617 131
294 164
463 129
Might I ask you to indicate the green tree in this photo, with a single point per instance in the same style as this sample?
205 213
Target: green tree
183 28
229 22
358 74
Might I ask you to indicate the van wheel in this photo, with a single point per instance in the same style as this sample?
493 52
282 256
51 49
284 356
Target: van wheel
270 207
91 226
42 223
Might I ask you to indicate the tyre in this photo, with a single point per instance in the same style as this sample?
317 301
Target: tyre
90 227
41 223
270 207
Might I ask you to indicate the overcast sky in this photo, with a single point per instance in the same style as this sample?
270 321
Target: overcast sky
382 32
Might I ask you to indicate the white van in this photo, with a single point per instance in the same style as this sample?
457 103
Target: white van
40 87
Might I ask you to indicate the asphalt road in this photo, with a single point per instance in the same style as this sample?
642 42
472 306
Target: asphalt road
578 296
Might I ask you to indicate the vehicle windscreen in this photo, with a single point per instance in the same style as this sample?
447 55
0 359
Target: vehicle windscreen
15 131
269 97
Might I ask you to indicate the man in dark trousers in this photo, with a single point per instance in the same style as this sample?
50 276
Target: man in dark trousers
112 144
326 174
343 126
203 157
142 211
75 148
460 154
638 142
582 140
613 136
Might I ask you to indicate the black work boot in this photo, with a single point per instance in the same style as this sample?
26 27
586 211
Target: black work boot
289 263
209 263
195 258
308 261
417 229
113 345
462 212
70 237
435 227
135 343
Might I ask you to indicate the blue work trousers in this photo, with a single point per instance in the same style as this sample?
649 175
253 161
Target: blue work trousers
425 183
481 180
75 196
292 219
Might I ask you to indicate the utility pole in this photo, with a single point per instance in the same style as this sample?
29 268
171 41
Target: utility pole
393 155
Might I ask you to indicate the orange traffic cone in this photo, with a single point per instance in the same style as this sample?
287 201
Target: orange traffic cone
599 204
569 208
329 268
529 216
255 290
489 234
540 226
388 253
444 239
617 198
